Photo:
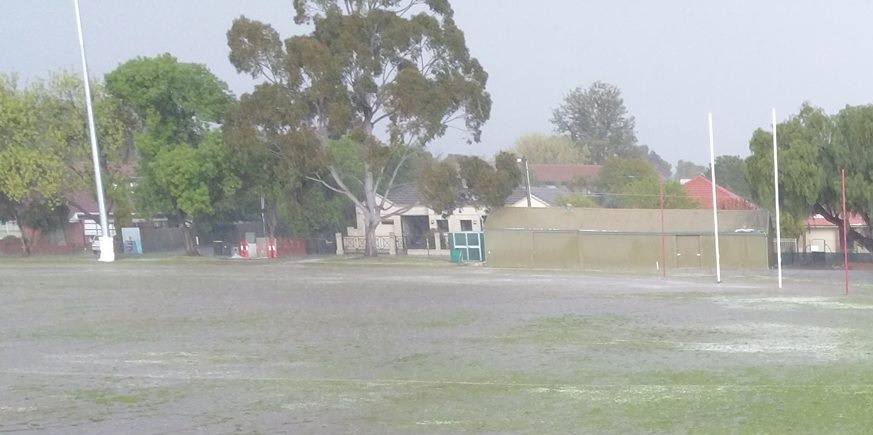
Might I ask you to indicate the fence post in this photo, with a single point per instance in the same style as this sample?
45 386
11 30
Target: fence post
339 244
392 247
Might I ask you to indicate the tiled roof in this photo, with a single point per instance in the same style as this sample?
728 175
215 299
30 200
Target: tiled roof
403 195
700 189
407 194
82 202
544 193
557 174
819 221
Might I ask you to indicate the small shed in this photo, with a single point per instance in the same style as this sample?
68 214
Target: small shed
626 239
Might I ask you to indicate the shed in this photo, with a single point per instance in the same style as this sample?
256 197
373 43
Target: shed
625 239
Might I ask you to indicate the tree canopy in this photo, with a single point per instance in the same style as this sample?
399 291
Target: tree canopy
549 149
635 184
388 76
813 148
185 171
31 175
597 119
446 185
598 123
686 170
730 173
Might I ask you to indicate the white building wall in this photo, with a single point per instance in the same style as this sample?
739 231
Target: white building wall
9 228
822 240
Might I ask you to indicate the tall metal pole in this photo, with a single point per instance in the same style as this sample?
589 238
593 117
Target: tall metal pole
778 215
107 248
264 216
663 243
846 223
714 202
527 175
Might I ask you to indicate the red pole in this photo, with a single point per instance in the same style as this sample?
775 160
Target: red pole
663 245
845 231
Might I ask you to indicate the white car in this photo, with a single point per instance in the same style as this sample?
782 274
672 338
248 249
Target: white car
95 245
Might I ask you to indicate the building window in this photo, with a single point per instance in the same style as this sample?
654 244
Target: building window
466 225
442 225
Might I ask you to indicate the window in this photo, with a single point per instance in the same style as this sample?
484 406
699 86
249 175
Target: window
442 225
466 225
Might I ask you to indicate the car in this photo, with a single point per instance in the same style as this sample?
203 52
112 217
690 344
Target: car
95 245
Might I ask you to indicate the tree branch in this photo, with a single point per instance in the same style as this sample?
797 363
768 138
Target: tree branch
390 185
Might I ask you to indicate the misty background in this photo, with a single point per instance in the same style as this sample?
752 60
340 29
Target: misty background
674 61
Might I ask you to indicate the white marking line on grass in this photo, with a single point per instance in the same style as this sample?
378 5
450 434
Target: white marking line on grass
789 303
437 422
535 387
17 409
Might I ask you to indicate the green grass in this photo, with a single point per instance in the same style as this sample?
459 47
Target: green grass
600 331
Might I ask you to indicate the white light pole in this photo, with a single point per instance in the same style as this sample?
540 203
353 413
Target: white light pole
527 175
107 248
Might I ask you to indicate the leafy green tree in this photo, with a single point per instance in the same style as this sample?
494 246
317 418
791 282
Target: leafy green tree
647 193
730 172
687 170
661 166
60 110
440 186
597 119
813 148
635 184
367 71
549 149
31 177
468 180
186 171
577 200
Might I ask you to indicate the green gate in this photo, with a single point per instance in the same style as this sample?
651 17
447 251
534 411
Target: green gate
467 246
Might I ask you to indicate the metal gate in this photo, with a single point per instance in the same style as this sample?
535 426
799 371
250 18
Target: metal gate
688 251
467 246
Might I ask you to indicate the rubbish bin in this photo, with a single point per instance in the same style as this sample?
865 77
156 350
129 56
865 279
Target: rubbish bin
456 255
219 248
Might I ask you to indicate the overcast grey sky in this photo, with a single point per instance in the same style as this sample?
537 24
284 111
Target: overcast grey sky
674 60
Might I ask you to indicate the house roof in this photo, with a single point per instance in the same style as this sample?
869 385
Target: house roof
818 221
546 194
403 195
557 174
700 189
407 194
615 220
82 202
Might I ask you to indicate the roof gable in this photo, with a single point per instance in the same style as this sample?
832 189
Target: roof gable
699 188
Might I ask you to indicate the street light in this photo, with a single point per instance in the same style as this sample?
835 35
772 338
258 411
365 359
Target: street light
527 175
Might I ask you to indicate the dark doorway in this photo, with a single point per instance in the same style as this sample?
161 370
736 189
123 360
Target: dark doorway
415 231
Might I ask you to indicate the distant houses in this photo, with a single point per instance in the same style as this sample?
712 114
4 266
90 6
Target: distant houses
416 229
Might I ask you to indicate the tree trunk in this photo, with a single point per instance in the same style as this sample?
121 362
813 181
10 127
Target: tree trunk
372 215
25 241
851 235
370 224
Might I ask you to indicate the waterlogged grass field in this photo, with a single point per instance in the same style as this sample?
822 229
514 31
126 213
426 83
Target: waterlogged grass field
247 347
